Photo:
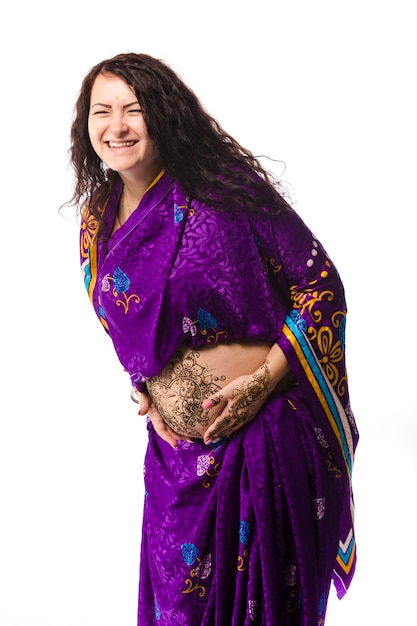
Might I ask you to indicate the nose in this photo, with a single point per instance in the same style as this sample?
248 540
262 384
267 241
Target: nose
118 123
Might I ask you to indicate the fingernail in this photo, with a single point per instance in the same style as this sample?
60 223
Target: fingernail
207 404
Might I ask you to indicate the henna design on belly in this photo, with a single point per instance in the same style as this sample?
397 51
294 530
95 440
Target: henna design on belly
178 393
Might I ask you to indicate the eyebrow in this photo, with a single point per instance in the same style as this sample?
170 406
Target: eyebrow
109 106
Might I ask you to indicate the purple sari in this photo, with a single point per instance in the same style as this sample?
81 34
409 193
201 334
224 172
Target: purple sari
253 529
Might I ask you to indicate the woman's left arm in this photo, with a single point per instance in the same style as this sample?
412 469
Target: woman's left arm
239 401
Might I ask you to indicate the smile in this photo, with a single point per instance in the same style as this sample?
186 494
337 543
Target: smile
121 144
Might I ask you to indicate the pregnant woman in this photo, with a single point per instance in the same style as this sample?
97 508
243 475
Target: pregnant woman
229 318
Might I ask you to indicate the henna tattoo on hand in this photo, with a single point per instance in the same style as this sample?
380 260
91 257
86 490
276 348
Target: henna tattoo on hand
178 393
246 402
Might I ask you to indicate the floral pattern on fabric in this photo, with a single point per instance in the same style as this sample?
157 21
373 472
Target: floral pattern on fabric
321 438
319 508
293 604
205 463
322 609
291 575
190 554
245 532
157 611
121 284
88 230
330 341
178 213
86 269
208 326
253 610
332 466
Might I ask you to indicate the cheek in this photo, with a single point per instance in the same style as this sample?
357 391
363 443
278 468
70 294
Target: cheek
95 127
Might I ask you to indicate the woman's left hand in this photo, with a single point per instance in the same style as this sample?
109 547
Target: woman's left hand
239 402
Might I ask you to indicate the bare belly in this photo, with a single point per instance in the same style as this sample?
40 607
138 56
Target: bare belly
194 375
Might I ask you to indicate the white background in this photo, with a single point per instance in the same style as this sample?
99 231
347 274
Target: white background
326 87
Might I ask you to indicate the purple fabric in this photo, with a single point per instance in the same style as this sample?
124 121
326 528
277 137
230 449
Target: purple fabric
250 531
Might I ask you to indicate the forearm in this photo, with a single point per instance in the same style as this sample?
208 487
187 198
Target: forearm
277 365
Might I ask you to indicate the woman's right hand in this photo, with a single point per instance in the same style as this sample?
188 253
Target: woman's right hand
148 408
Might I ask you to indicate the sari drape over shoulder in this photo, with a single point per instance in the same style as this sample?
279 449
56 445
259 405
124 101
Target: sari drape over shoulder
253 529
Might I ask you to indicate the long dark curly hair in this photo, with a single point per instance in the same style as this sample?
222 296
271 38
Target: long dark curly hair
208 163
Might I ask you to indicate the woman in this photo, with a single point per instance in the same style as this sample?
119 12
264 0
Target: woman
229 317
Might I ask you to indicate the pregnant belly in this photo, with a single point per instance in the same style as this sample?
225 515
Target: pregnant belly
194 375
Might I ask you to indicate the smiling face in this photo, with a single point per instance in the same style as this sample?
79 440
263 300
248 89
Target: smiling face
118 131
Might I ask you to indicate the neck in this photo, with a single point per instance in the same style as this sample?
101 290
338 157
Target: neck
134 189
132 193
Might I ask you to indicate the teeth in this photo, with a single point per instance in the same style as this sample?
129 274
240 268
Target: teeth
121 144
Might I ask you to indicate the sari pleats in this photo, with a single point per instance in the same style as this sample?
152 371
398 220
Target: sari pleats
244 532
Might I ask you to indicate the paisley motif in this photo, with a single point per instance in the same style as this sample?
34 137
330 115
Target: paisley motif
203 464
298 320
189 552
105 283
157 610
291 575
178 214
206 320
321 438
319 508
120 280
245 529
253 609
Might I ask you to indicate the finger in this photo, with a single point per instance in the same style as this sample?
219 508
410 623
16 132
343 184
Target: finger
161 428
227 395
142 399
145 407
216 430
209 403
164 434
